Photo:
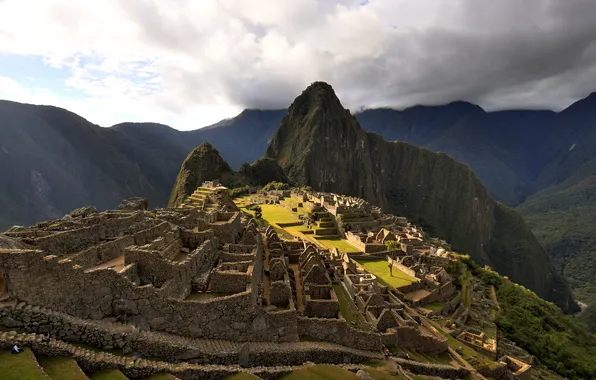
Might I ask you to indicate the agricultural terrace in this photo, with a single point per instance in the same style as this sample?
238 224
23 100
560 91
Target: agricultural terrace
287 224
380 268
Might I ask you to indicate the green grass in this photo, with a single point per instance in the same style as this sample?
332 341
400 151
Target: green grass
276 214
340 244
320 372
380 268
61 367
108 374
435 306
349 310
241 376
20 366
161 376
378 374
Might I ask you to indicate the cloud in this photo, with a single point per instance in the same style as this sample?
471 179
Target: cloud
195 62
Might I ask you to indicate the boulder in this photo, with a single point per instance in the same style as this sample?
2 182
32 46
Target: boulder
363 375
134 204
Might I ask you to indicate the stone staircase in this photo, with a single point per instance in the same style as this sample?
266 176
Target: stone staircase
199 199
325 226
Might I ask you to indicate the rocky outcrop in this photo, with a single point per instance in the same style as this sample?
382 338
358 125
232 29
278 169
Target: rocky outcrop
320 144
83 212
134 204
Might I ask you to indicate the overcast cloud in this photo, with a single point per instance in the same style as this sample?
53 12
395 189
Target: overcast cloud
190 63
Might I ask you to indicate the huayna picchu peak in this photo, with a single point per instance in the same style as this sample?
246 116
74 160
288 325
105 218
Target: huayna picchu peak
320 144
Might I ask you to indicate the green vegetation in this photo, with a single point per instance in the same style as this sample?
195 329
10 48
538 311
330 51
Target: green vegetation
559 341
238 191
341 244
241 376
435 306
563 221
276 186
392 245
60 367
380 268
107 374
20 366
276 214
258 212
379 374
161 376
348 309
320 372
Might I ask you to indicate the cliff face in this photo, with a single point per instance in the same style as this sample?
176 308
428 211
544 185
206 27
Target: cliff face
202 164
319 143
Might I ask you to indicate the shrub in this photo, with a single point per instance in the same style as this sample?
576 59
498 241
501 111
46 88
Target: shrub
276 186
392 245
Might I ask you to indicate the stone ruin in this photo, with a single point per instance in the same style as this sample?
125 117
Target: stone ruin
208 286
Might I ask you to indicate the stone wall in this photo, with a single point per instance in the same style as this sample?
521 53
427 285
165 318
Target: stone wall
228 231
228 281
412 338
355 241
55 284
102 253
397 265
338 331
438 370
442 293
155 269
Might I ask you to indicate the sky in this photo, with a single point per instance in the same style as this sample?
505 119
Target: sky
189 63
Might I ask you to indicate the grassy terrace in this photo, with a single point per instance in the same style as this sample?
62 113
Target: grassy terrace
338 243
60 367
348 309
241 376
161 376
320 372
277 216
380 268
22 366
108 374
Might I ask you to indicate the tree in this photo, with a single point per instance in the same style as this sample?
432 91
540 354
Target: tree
392 245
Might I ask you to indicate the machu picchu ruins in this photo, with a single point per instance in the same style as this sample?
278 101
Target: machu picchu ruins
206 290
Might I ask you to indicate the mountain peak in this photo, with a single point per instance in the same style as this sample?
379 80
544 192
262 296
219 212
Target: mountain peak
317 96
202 164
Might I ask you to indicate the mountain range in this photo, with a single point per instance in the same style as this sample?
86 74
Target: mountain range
541 162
